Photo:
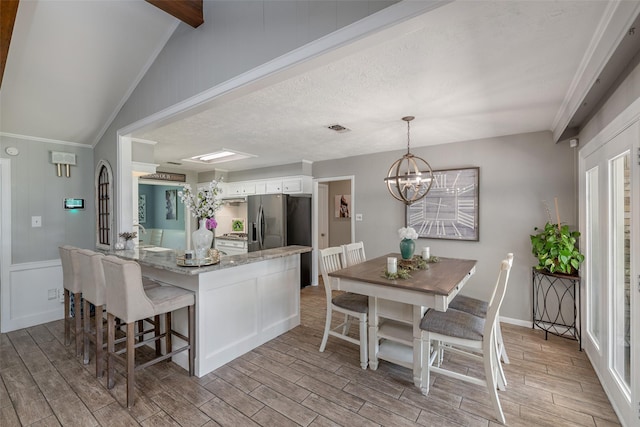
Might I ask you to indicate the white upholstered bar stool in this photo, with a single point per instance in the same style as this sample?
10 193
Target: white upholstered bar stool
480 308
353 253
468 335
72 286
129 301
351 305
92 277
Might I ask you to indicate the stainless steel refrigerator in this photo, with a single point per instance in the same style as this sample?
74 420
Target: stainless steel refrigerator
277 220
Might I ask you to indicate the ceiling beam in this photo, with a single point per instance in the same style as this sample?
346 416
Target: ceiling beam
8 11
188 11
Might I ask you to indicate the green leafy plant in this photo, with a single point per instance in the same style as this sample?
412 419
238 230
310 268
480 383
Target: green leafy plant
556 250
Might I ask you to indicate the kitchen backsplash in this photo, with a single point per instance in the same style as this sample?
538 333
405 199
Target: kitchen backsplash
227 214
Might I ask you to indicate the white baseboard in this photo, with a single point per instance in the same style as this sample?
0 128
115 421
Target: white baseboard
517 322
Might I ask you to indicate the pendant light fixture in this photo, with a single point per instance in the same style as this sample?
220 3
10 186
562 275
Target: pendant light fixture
409 178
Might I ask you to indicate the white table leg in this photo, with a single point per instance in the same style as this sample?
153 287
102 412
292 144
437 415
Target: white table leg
373 333
418 313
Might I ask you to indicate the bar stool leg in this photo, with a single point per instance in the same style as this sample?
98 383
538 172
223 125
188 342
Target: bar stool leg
77 305
140 329
156 330
67 317
99 341
111 333
86 332
191 311
131 365
167 331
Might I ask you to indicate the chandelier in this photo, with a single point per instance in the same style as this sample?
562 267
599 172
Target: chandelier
409 178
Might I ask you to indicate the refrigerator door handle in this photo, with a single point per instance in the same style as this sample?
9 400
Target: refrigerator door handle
261 228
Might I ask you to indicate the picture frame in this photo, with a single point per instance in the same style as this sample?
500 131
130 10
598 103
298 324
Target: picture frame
342 206
142 209
450 211
171 197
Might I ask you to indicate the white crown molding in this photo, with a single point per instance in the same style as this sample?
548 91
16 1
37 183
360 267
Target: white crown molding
37 138
612 28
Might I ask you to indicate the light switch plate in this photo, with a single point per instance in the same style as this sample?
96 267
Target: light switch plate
358 217
36 221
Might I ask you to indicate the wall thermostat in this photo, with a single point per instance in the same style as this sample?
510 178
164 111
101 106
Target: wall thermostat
12 151
73 203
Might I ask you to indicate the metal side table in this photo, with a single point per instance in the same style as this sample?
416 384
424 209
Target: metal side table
556 304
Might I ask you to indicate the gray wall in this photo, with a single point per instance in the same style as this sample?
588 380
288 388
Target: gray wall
516 173
36 190
236 37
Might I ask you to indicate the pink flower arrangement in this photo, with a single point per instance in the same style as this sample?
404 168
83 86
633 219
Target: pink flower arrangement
211 223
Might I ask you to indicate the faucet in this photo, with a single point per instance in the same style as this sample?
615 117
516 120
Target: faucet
141 227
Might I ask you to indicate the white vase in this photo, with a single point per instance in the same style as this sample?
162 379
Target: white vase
129 245
201 240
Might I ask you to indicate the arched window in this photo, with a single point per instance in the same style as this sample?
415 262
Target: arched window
104 205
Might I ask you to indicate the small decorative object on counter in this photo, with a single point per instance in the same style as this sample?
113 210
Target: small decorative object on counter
407 244
392 265
426 253
203 205
201 239
128 237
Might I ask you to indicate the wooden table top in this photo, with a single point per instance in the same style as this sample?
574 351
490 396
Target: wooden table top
440 278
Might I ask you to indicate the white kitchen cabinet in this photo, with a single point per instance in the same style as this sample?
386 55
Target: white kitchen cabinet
299 184
274 186
288 185
240 188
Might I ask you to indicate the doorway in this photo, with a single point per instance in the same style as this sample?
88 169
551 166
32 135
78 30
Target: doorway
334 217
609 199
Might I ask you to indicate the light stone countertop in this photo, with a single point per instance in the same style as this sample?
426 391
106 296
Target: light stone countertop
166 260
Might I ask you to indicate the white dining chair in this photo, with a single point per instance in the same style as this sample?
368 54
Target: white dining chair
480 308
353 253
351 305
468 335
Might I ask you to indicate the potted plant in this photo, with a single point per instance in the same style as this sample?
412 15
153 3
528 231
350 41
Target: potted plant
556 250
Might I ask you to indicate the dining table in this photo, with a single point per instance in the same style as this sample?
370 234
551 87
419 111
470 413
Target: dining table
396 306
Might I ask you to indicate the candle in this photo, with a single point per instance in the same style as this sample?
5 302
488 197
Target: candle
392 265
425 252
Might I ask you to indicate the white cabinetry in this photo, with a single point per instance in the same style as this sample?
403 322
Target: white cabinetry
240 188
286 185
298 184
274 186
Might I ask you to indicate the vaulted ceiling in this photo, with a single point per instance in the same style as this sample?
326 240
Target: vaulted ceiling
466 70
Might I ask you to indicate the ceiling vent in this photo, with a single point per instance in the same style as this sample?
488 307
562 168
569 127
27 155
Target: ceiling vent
338 128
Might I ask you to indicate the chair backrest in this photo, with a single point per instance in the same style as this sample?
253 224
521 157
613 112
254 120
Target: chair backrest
156 237
91 275
70 269
330 261
498 296
125 295
353 253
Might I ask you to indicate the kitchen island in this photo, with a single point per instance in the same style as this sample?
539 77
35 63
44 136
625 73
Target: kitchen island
241 302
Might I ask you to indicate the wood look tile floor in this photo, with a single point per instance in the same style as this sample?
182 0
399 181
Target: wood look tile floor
288 382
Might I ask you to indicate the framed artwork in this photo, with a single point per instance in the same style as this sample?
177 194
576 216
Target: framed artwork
343 206
172 204
142 209
450 209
